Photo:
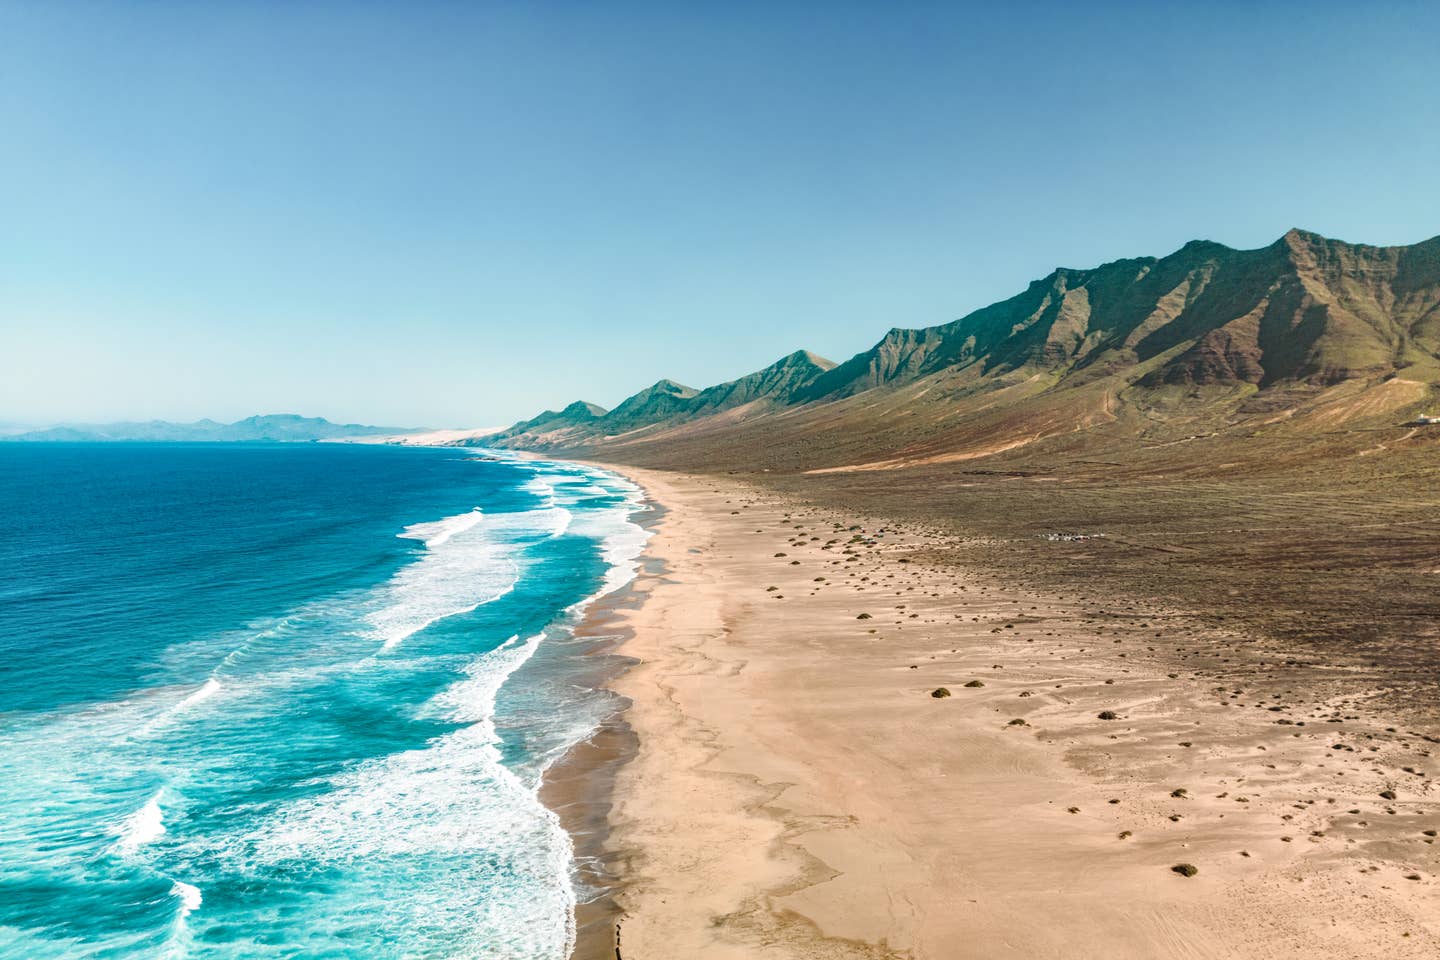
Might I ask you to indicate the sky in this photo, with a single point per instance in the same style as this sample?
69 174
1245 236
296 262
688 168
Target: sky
458 214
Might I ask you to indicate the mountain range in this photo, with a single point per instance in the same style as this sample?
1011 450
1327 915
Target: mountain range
1206 339
275 427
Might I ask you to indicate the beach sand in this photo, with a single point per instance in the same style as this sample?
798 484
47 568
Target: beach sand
795 790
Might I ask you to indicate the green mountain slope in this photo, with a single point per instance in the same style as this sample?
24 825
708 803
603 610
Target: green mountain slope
1208 337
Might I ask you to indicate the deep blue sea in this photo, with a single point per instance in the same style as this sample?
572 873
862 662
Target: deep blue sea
293 700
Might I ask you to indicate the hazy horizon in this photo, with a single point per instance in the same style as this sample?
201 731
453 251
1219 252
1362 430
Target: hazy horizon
18 426
442 215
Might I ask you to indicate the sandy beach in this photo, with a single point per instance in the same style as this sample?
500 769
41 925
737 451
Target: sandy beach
797 789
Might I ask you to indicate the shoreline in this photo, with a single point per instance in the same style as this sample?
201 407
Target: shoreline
578 789
780 780
579 786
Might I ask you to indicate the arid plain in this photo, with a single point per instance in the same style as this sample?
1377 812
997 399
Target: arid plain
798 789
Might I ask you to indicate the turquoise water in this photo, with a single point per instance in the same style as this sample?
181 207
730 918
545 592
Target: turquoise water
293 701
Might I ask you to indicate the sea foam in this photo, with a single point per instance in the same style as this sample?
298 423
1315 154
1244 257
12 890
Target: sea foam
189 896
621 539
141 827
453 799
207 690
469 561
436 532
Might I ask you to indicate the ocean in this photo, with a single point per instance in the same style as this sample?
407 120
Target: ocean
294 700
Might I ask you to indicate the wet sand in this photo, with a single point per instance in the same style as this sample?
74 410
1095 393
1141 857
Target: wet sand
796 790
579 787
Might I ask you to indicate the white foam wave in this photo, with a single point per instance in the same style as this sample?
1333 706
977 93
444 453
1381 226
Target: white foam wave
622 540
436 532
143 826
421 601
541 488
168 715
207 690
470 560
189 895
453 797
473 699
563 518
622 549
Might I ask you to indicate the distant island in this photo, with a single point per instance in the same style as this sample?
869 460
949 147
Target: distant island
271 428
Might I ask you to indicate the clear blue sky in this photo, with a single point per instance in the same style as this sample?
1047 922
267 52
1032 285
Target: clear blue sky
460 213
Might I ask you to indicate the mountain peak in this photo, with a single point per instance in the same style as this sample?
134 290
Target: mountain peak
657 402
801 358
1295 238
671 387
583 408
551 422
1203 247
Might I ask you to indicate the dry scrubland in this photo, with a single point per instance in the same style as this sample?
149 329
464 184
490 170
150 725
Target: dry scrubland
1098 776
1256 609
1338 560
1325 536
